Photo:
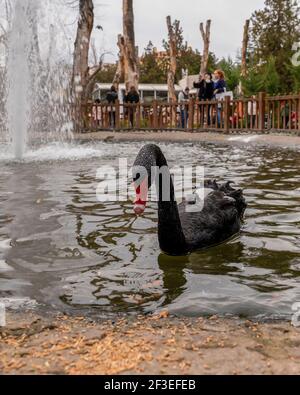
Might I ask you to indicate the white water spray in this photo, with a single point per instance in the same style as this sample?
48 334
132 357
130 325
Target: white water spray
38 77
18 75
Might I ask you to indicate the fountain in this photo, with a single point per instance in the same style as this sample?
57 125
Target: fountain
18 74
37 79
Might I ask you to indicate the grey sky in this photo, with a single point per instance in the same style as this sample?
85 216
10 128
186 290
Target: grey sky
228 17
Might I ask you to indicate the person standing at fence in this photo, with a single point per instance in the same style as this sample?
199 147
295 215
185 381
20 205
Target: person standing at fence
206 89
201 87
183 100
132 99
111 98
220 88
252 112
285 114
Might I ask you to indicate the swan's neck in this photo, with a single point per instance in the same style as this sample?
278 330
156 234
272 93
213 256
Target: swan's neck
170 233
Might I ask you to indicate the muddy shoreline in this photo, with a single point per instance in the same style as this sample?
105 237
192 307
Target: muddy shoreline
158 344
291 141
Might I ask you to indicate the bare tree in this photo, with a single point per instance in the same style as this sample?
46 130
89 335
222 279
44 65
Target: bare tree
245 48
94 52
244 68
206 41
130 51
82 80
128 63
92 78
173 58
80 74
120 72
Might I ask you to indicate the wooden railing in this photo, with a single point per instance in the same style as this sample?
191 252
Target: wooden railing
260 114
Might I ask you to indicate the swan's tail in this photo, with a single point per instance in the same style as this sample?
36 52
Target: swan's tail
228 190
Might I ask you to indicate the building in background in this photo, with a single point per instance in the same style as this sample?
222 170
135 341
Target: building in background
148 92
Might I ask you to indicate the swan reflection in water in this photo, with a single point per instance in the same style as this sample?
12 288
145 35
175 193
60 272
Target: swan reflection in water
176 270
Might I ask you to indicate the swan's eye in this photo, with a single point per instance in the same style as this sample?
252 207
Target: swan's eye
136 178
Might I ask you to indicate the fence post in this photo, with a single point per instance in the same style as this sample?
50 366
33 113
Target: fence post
227 114
155 115
191 114
138 116
117 104
262 111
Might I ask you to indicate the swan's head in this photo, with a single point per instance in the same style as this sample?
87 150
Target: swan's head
140 201
149 157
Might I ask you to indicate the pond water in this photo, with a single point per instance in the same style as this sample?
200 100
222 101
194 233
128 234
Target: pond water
62 249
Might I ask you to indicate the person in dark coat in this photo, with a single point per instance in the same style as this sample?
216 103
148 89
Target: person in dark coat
206 93
206 87
201 87
111 98
132 98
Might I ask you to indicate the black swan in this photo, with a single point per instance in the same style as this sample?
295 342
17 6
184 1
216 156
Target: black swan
179 231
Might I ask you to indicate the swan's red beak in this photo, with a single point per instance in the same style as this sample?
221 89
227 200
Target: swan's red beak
140 201
139 209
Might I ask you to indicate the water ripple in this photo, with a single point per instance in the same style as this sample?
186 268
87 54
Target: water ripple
61 247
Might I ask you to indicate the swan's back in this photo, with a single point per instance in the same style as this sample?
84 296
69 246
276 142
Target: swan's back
220 219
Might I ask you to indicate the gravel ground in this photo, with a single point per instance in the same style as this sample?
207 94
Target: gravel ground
159 344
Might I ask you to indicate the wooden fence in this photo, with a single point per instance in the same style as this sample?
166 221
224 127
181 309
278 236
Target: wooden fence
260 114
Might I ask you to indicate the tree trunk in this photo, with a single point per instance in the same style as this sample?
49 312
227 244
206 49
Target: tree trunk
120 67
244 68
131 64
245 48
91 80
173 60
81 55
206 41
